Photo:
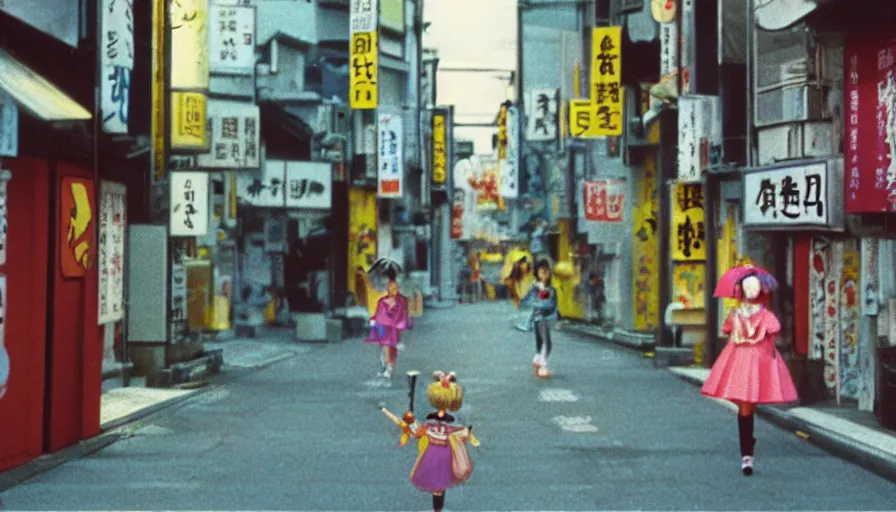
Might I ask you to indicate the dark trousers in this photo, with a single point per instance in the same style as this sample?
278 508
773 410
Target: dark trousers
543 337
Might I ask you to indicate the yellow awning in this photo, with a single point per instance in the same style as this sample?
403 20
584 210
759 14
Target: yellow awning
37 95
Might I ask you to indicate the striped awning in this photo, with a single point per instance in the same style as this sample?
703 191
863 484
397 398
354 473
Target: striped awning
36 94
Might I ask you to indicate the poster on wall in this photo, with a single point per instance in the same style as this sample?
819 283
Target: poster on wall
542 112
870 277
4 355
390 160
848 320
362 236
113 222
4 211
189 204
76 231
688 285
818 271
309 185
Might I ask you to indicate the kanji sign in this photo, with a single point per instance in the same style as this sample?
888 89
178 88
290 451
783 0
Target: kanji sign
235 137
189 204
363 17
688 223
9 126
265 187
508 168
309 185
439 150
110 253
363 71
668 47
870 119
188 22
795 195
117 61
189 121
604 200
542 113
502 132
232 40
699 136
390 161
583 119
606 79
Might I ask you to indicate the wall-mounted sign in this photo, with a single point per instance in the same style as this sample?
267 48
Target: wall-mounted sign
188 22
363 15
189 204
668 47
795 195
542 112
364 71
688 237
235 136
439 149
117 61
9 126
390 162
510 165
699 136
110 253
264 187
604 200
606 79
309 185
4 211
232 40
189 121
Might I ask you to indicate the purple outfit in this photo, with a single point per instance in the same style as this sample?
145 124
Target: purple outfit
432 472
390 321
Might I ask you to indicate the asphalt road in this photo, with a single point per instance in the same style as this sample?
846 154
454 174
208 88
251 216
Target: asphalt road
607 432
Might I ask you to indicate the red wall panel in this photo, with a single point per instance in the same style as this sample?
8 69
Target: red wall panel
22 408
802 246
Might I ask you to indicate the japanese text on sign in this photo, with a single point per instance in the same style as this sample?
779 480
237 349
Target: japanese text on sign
309 185
188 119
363 71
510 169
582 119
189 204
363 17
117 61
439 151
390 162
606 79
688 223
189 44
111 252
232 40
604 201
542 115
502 132
235 136
794 195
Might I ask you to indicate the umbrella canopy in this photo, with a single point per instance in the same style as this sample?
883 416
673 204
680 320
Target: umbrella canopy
729 284
382 271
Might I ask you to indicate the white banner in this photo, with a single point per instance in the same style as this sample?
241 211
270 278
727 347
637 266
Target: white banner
869 276
309 185
189 204
235 136
117 61
4 213
688 140
232 40
263 188
787 196
364 15
113 222
9 126
509 168
542 114
668 48
390 161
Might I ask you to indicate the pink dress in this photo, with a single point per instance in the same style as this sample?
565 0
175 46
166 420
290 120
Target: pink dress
390 319
750 368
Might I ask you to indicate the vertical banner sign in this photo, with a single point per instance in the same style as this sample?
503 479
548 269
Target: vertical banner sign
4 354
4 212
363 21
364 15
688 229
439 149
159 29
606 80
686 45
870 276
113 220
604 200
582 120
117 62
390 162
542 115
189 204
669 48
235 137
502 132
509 187
9 126
189 72
232 40
688 154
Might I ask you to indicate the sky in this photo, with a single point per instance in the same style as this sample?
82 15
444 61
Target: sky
472 34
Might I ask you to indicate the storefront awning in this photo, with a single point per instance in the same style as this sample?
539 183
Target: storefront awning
774 15
36 94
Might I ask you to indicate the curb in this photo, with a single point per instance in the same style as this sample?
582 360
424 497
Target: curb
860 454
110 433
608 337
263 364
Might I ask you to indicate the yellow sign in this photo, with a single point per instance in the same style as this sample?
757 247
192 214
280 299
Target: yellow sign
189 44
606 80
439 151
688 285
688 229
727 255
159 27
362 221
582 120
502 133
392 15
645 244
188 121
363 81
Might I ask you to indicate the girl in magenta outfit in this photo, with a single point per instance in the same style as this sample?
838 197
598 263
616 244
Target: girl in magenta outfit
750 370
390 319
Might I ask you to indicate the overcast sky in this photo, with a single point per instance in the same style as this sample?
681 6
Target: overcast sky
472 34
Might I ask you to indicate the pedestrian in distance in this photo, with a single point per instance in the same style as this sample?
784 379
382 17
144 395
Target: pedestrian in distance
542 298
750 370
442 458
386 325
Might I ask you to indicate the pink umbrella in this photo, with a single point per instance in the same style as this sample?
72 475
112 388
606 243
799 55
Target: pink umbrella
729 284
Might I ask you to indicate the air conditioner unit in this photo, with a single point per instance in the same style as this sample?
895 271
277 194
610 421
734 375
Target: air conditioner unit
790 104
795 141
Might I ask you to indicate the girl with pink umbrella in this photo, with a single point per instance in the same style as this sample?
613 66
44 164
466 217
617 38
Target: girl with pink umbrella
749 370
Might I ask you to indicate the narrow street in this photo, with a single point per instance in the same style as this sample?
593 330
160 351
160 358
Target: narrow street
607 432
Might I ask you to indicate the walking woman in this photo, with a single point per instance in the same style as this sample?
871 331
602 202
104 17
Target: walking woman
390 319
542 298
750 370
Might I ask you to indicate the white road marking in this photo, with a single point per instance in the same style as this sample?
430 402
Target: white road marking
578 424
557 395
378 383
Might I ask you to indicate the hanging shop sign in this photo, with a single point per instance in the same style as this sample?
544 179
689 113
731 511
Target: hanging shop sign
189 44
582 120
110 253
265 187
309 185
363 15
189 204
784 197
4 212
668 47
235 137
604 200
688 223
364 94
510 165
699 136
439 149
189 122
232 40
76 226
606 80
390 161
9 126
542 114
870 118
117 62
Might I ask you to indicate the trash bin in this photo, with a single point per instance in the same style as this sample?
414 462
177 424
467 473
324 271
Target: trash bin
886 387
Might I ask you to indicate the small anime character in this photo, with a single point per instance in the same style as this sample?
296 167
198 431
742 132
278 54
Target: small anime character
390 319
750 370
442 459
542 297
